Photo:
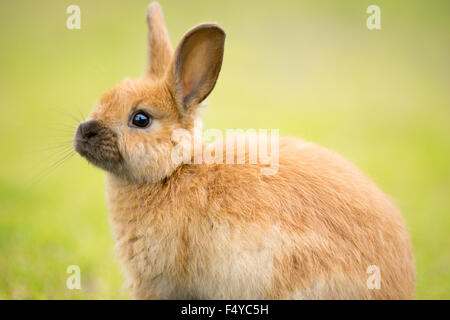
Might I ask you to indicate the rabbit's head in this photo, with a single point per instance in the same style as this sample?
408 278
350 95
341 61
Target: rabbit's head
129 132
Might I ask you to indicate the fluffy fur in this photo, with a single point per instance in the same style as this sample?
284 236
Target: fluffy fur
223 231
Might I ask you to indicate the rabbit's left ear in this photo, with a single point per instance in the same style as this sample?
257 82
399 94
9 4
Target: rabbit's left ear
196 65
160 49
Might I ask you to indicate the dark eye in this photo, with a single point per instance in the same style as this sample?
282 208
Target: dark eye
141 119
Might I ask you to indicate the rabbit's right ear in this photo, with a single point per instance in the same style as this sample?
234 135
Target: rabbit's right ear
196 65
160 49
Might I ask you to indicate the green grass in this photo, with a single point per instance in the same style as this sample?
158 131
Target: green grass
309 68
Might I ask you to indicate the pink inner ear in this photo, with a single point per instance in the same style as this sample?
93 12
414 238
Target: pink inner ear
195 68
200 64
197 63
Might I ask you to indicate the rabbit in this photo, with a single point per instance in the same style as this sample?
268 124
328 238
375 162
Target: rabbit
316 229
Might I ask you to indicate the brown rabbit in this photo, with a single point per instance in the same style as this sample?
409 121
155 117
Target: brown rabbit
316 229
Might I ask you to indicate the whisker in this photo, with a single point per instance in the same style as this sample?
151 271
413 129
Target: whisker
64 128
76 118
57 146
65 157
81 115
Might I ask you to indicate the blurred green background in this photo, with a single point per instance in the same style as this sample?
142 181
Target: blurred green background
310 68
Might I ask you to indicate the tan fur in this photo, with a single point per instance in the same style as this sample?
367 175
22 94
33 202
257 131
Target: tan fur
222 231
160 48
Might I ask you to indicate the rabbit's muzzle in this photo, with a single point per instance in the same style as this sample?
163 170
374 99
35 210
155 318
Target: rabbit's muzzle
98 144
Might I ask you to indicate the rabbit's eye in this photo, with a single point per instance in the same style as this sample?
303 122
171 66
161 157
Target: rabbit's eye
141 119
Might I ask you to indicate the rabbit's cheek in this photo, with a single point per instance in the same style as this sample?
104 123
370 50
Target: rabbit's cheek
148 161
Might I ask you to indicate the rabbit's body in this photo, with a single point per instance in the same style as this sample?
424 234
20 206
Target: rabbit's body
310 230
224 231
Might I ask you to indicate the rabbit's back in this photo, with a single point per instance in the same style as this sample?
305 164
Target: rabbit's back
224 231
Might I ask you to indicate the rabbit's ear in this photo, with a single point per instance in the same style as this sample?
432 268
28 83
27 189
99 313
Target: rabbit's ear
160 49
196 65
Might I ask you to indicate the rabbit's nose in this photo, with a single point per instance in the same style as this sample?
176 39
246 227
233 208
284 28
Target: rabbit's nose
89 129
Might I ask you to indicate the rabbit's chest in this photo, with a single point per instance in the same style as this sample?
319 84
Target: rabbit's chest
194 259
171 253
